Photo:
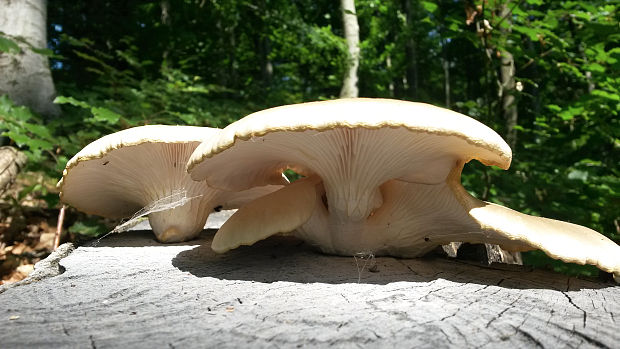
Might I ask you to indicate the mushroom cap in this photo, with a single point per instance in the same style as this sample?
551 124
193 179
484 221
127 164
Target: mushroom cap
143 169
444 136
120 173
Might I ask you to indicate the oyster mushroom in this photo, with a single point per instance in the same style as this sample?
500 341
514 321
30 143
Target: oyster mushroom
380 176
121 173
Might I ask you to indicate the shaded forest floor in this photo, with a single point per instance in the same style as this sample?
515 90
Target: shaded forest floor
26 236
27 231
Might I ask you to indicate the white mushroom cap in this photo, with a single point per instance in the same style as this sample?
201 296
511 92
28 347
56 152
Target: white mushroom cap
458 137
121 173
382 175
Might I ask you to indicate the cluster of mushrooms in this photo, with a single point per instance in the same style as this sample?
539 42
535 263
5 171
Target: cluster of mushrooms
380 176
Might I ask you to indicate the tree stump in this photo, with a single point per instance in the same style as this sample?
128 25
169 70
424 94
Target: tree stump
130 291
11 162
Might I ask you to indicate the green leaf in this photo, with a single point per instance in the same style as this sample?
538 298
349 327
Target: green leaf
570 113
39 144
594 67
105 115
18 138
607 95
72 101
8 45
89 227
429 6
189 119
44 52
100 114
41 131
532 33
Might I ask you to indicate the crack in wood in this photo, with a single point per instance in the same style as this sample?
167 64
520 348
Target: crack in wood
590 340
570 300
511 305
529 337
445 335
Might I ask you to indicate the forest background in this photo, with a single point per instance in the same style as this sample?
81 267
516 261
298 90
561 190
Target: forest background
543 74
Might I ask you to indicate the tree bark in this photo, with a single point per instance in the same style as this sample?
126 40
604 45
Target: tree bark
26 75
445 63
165 12
11 161
264 45
352 36
266 65
388 65
165 21
507 85
411 53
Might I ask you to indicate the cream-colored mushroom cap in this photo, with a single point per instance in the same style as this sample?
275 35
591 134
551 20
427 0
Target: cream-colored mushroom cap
443 136
381 176
121 173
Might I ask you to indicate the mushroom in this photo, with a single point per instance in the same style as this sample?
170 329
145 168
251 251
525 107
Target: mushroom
380 176
124 172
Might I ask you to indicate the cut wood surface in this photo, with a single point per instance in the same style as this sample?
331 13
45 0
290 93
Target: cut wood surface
130 291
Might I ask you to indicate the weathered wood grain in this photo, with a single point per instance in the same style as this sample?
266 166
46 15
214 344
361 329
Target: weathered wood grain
132 291
11 162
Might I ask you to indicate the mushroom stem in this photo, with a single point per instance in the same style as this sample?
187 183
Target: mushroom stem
181 223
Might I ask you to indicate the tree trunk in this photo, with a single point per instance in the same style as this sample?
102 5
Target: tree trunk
165 21
352 36
165 12
26 75
232 57
264 45
507 86
411 53
266 65
445 63
388 65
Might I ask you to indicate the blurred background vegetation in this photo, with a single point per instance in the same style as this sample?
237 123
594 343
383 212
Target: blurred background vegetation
544 74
